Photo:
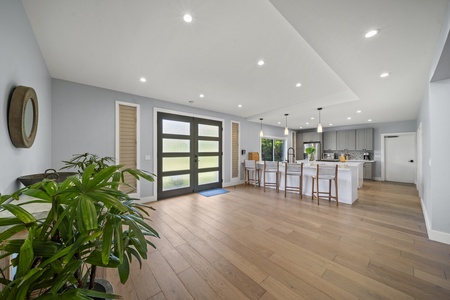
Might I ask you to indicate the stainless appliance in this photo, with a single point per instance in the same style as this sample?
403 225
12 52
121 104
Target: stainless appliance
315 145
366 156
329 156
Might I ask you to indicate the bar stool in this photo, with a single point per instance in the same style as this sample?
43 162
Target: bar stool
250 169
329 173
295 170
271 167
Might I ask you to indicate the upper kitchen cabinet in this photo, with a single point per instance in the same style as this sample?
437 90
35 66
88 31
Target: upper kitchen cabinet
312 137
364 139
346 139
329 140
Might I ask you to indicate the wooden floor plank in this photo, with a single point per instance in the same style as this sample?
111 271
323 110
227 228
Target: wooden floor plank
251 244
170 284
195 284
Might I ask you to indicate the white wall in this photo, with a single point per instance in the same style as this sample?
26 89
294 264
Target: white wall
21 63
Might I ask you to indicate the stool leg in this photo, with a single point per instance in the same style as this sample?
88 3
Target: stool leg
312 189
285 184
329 190
318 193
336 185
300 187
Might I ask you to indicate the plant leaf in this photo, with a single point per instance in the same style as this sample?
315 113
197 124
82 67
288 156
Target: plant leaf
87 215
20 213
26 257
124 270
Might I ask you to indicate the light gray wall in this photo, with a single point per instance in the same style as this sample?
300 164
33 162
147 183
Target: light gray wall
378 130
433 117
440 143
84 121
424 120
21 63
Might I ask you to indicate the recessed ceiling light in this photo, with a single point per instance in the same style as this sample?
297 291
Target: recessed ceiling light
279 122
370 120
358 111
385 74
142 79
187 18
307 123
298 84
371 33
202 96
312 118
301 127
330 124
240 105
349 118
260 62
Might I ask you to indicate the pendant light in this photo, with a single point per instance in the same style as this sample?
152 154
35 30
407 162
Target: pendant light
261 132
286 130
319 126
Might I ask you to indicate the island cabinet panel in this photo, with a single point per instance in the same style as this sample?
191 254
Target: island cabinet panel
346 139
368 172
364 139
329 140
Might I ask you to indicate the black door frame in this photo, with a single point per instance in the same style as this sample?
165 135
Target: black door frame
193 155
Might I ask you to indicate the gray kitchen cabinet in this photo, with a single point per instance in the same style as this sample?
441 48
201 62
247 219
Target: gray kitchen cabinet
364 139
312 137
368 172
329 140
346 139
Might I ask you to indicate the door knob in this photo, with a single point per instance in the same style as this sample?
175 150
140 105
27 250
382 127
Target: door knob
411 161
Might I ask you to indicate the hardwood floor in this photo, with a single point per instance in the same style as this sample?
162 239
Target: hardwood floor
248 244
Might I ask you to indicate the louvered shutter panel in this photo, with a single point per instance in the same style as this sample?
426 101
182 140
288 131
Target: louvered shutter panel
127 143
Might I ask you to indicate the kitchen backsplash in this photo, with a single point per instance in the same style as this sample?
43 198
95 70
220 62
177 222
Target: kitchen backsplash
354 154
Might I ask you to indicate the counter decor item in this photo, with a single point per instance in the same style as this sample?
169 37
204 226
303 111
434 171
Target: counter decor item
91 223
310 151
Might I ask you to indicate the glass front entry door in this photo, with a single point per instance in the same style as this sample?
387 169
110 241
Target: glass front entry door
189 155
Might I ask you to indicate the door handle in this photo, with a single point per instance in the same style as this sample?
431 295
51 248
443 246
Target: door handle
411 161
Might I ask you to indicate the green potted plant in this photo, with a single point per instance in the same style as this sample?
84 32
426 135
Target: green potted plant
310 151
91 223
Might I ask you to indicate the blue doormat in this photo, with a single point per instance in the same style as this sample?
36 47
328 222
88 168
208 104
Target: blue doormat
213 192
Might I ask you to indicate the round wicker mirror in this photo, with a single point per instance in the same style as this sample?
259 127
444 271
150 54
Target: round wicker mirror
23 117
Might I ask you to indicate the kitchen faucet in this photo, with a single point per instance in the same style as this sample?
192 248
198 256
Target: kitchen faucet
291 154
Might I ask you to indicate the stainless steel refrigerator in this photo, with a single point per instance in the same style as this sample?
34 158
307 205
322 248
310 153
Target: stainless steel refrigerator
316 145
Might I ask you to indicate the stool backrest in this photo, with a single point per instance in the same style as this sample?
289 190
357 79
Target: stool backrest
327 170
294 168
271 165
250 164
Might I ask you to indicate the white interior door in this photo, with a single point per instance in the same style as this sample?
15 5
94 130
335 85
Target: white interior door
400 154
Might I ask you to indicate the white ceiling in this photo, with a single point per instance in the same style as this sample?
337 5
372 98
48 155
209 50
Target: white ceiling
320 43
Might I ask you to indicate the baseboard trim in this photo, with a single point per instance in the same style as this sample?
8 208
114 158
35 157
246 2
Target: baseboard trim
434 235
377 179
228 184
148 199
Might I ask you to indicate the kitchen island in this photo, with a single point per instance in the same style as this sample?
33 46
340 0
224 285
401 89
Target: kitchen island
347 179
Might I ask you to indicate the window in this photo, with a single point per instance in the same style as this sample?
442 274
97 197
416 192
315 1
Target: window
273 149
